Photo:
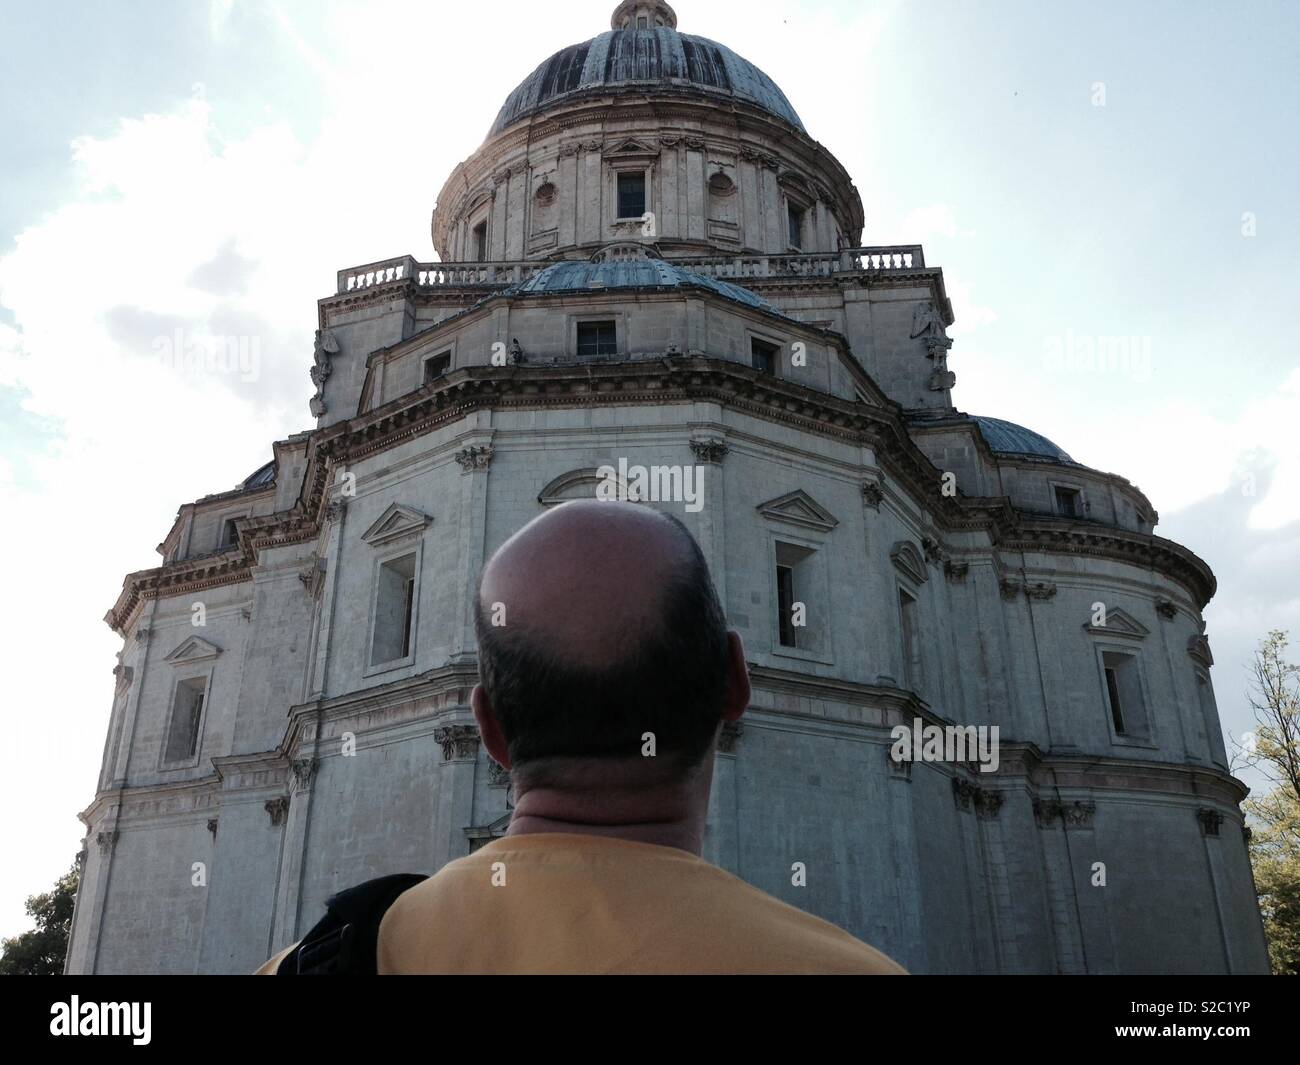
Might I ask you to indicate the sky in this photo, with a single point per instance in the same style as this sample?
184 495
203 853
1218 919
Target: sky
1091 174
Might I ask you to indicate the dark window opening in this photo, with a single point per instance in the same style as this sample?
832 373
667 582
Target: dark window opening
597 338
794 219
187 713
480 242
1069 502
1116 710
229 534
911 643
408 611
785 604
762 356
631 195
436 366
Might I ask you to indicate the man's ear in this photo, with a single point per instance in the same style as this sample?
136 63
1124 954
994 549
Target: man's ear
737 679
489 730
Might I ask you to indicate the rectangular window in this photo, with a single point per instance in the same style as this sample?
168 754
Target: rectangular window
800 599
394 611
631 195
794 220
480 242
911 642
785 605
187 716
1069 502
1128 713
229 534
597 338
436 366
762 356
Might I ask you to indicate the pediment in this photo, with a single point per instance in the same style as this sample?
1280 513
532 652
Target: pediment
908 560
193 649
632 146
396 522
576 484
799 508
1118 623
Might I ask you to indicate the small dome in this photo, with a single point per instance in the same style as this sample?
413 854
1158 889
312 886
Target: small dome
1008 438
261 476
581 276
644 58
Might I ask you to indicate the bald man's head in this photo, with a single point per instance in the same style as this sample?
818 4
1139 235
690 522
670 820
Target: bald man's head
598 623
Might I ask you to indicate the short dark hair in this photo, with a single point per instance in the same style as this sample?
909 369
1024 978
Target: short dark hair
673 684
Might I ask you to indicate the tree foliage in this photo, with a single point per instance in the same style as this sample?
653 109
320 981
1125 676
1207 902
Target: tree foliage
41 951
1274 749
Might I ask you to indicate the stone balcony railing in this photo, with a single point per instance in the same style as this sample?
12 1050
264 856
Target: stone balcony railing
493 274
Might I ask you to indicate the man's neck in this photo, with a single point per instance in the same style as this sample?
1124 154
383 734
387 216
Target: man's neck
670 813
668 834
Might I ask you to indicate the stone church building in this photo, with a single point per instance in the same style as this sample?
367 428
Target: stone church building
650 261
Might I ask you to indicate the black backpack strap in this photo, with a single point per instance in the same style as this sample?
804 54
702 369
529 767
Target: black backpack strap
345 941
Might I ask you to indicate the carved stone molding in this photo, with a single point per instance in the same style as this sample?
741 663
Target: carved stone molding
124 675
313 575
1199 648
1009 589
985 802
474 458
934 552
955 571
1210 820
277 809
729 737
334 510
498 775
1167 609
304 772
909 561
899 768
106 840
325 347
1041 590
212 825
396 523
872 494
1077 814
458 742
710 449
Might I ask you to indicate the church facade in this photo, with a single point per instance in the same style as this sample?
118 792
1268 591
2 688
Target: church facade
651 267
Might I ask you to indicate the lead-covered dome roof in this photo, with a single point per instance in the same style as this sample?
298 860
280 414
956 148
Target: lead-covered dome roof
635 59
580 276
1008 438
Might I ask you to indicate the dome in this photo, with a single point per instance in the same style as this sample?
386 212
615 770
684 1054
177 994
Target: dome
638 59
260 477
1008 438
581 276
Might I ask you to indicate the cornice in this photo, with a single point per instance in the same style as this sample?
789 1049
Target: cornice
671 379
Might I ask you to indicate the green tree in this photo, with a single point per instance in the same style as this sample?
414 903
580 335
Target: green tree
1273 748
40 952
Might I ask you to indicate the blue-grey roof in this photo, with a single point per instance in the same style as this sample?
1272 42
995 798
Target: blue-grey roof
639 59
1008 438
583 276
261 476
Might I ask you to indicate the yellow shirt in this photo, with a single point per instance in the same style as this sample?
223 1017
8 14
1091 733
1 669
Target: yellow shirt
570 903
